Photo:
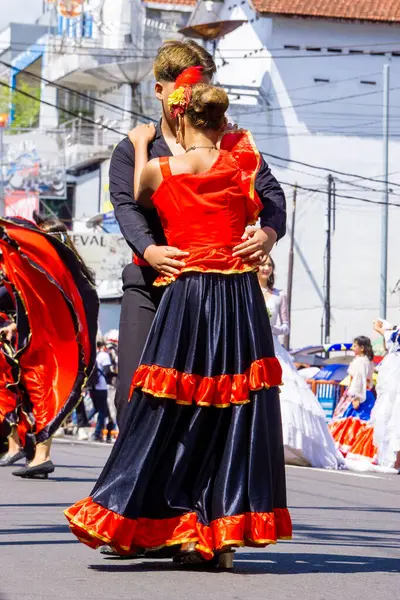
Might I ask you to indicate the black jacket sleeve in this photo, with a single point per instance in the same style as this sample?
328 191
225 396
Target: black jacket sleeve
273 199
131 218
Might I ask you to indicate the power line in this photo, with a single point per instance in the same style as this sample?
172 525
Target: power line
20 46
307 189
314 102
354 185
103 126
79 94
325 83
326 169
65 110
360 186
260 49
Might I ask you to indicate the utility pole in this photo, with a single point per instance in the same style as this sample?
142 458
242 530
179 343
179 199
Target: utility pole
385 205
291 265
328 261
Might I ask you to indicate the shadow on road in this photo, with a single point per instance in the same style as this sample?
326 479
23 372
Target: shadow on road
352 509
46 529
39 543
58 466
256 563
343 536
72 479
36 505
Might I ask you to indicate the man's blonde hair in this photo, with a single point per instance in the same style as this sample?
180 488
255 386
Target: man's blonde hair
174 56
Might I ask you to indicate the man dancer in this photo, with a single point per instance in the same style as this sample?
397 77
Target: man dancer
142 229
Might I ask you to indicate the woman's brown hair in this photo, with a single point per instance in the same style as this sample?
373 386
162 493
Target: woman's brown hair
207 107
365 343
271 278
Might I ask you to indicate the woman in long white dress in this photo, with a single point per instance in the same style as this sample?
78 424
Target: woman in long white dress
385 416
307 439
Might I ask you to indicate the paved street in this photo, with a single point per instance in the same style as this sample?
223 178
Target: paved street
346 543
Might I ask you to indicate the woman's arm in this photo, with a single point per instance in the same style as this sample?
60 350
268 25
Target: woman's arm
284 327
358 386
144 180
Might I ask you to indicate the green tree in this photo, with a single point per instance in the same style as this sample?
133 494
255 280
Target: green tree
4 99
25 108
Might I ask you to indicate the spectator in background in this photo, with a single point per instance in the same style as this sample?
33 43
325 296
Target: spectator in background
99 392
350 426
305 433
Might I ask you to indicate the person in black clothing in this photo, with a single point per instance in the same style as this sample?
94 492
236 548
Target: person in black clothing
99 393
142 229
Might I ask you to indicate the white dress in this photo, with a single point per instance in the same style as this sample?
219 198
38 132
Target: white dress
306 435
385 416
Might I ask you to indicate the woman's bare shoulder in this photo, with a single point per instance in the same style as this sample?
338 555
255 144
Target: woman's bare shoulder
180 164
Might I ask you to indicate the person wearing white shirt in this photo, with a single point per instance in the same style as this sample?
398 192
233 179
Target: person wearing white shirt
99 393
306 436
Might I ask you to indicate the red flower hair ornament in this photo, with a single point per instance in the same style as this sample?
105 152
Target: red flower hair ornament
180 98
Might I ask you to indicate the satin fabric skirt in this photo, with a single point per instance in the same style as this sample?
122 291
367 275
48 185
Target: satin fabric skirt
191 472
306 437
385 416
353 432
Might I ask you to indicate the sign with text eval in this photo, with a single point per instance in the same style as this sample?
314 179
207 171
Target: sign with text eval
107 254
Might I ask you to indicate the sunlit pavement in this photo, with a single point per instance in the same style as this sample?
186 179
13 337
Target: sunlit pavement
346 543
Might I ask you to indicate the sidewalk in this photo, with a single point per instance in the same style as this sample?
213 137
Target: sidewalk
72 439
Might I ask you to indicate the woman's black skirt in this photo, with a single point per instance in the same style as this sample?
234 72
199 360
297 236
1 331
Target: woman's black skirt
200 456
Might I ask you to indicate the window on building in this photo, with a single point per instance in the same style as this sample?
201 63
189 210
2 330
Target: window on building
74 103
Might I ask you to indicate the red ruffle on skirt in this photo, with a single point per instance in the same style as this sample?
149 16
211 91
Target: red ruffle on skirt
220 391
354 438
345 432
94 526
364 448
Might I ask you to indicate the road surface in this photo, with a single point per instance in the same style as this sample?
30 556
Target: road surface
346 543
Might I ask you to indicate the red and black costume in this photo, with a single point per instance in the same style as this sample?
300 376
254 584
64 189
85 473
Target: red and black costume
56 315
9 372
199 457
141 228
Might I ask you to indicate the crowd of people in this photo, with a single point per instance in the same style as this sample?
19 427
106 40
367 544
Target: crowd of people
94 417
209 404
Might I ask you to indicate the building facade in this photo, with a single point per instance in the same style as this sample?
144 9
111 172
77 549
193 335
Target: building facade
307 79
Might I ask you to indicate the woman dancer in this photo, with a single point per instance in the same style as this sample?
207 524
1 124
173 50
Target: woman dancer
55 348
199 461
351 418
10 446
305 432
385 416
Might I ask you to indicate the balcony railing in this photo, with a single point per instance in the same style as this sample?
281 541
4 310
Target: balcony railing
84 141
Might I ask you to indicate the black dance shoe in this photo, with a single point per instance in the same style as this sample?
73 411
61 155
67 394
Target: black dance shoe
110 553
7 460
38 472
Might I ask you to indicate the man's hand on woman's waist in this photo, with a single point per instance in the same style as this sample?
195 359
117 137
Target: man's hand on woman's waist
165 259
257 245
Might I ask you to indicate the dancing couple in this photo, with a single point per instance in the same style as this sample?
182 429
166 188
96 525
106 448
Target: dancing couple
199 465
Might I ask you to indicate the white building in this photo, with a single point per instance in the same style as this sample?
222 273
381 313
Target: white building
310 88
93 69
